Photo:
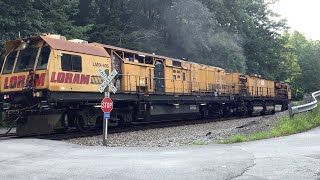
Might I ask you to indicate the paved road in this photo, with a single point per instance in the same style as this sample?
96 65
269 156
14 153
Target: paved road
292 157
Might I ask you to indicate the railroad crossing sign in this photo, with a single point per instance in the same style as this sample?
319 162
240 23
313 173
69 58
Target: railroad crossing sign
107 80
106 105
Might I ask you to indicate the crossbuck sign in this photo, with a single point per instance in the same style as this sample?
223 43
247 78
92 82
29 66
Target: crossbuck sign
106 103
107 80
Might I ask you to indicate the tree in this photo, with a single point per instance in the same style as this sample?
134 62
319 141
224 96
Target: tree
19 18
308 55
58 17
87 12
33 17
252 21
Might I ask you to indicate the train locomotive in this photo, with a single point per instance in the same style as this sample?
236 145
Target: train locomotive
50 84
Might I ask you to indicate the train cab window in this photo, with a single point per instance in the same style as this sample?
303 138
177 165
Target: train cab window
26 59
174 71
9 63
178 77
184 76
71 63
140 58
176 63
43 58
130 57
148 60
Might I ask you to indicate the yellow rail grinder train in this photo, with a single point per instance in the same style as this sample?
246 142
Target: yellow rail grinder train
50 84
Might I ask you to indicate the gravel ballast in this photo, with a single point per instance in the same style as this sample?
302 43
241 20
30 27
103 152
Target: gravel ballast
186 134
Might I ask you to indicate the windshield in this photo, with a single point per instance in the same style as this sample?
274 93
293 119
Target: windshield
26 59
7 69
43 58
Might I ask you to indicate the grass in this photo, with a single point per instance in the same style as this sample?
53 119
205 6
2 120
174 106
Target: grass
296 103
286 126
195 142
199 142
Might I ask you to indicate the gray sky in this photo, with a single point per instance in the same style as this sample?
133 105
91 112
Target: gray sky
302 15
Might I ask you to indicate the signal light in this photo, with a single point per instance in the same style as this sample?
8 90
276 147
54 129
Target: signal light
37 94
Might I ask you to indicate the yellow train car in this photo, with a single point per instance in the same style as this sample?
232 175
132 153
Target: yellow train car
282 89
50 62
197 86
208 79
139 72
221 81
260 90
260 87
236 83
49 84
177 76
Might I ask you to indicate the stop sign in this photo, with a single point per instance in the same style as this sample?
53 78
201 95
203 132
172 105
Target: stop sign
106 105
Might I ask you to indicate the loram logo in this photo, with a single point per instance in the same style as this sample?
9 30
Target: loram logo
20 81
69 78
60 77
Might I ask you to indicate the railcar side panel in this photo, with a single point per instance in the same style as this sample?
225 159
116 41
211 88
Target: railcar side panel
76 72
137 77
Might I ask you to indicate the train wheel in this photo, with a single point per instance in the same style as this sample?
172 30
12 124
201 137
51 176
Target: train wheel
204 112
125 119
121 122
80 123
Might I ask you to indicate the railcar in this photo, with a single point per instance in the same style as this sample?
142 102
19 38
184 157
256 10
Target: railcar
50 84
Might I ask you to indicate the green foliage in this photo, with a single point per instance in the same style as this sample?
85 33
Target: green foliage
195 142
20 17
306 60
240 36
286 126
197 33
199 142
57 17
33 17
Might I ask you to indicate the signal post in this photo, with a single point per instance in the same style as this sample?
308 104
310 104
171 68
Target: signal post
106 103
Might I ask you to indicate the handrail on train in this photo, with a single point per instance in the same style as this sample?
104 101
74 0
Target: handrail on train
179 86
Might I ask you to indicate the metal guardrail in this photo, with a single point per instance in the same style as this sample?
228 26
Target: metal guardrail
305 107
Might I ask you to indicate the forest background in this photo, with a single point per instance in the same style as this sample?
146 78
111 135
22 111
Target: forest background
239 35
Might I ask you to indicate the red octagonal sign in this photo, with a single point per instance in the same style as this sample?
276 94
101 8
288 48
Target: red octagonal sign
106 105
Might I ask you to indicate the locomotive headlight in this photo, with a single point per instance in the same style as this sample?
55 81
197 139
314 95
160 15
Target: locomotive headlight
38 94
23 45
6 97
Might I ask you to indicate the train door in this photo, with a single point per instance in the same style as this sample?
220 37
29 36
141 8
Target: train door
117 65
159 77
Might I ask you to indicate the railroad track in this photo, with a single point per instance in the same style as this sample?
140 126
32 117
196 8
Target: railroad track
56 136
8 136
134 127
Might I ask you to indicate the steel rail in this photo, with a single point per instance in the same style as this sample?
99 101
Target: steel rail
305 107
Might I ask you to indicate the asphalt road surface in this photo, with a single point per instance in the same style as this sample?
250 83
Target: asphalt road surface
292 157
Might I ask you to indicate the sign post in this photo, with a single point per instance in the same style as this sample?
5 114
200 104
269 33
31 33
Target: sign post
106 103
